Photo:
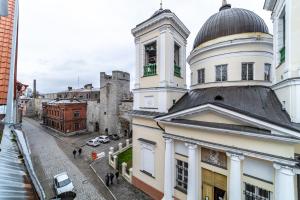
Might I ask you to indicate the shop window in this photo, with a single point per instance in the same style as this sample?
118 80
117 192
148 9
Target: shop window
177 68
267 72
252 192
247 71
221 73
201 76
150 59
181 175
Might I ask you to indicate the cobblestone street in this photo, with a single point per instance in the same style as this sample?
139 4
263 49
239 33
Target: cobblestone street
52 155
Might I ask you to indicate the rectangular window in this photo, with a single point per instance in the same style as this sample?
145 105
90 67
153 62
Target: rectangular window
147 159
181 175
76 114
201 76
221 73
150 59
247 71
177 69
267 72
252 192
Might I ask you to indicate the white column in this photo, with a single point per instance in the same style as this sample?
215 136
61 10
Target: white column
162 57
284 183
168 181
192 189
137 63
235 178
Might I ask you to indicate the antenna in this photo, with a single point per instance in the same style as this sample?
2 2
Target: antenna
78 81
161 5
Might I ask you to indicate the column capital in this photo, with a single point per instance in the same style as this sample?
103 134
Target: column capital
191 146
287 170
168 140
235 156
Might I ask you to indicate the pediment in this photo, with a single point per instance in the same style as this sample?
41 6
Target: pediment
208 115
214 117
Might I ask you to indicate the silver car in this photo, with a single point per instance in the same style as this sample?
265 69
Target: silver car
62 183
103 139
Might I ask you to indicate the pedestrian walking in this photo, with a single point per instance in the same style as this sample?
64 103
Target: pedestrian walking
79 151
117 176
74 153
111 176
107 180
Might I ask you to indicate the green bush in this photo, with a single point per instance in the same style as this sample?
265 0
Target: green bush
125 156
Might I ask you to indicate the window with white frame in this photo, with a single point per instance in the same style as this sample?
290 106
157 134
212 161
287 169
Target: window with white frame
247 71
181 175
253 192
147 158
267 72
221 73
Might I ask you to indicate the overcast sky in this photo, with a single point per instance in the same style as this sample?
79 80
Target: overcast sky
61 40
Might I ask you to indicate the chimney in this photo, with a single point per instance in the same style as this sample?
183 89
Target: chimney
34 88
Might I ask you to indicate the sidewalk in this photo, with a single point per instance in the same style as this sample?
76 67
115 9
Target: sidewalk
123 190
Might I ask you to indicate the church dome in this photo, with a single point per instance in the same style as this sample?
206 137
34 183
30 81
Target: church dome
229 21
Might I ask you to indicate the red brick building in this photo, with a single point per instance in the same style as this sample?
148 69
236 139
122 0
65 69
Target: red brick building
65 115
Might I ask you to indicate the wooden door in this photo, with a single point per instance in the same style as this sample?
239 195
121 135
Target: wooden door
207 192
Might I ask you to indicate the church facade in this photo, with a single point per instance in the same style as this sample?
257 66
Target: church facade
228 136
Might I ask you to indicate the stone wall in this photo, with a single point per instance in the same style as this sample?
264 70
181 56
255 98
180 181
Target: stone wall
93 116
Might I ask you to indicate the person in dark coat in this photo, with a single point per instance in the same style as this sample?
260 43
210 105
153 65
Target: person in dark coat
79 151
117 176
111 176
107 180
74 153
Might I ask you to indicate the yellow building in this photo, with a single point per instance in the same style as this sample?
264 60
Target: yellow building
228 137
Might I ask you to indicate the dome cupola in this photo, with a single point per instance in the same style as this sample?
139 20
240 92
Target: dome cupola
229 21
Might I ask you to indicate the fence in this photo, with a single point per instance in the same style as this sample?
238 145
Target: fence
113 159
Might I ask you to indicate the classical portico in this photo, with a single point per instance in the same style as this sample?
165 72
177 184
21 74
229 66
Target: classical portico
235 173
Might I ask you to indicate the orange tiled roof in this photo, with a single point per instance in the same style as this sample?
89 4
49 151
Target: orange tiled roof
6 32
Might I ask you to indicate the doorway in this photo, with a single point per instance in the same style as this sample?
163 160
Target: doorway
214 185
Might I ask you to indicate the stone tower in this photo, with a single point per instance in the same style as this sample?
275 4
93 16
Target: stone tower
113 88
160 71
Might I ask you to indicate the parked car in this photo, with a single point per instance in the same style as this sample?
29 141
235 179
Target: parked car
93 142
103 139
114 137
62 183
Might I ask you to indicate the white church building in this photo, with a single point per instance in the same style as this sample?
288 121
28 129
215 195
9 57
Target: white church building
235 134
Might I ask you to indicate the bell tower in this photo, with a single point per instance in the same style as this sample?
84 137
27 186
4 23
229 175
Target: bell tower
160 70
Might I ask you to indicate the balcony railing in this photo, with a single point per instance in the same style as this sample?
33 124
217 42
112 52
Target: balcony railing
150 69
177 71
282 54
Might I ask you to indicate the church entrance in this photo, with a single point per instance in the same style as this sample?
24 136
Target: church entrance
214 185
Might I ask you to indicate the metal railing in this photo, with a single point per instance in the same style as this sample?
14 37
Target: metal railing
282 54
177 71
150 69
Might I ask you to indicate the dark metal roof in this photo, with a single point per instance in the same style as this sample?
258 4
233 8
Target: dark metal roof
15 182
145 113
229 21
156 13
256 101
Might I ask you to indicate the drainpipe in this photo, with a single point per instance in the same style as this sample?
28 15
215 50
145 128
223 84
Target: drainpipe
9 118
